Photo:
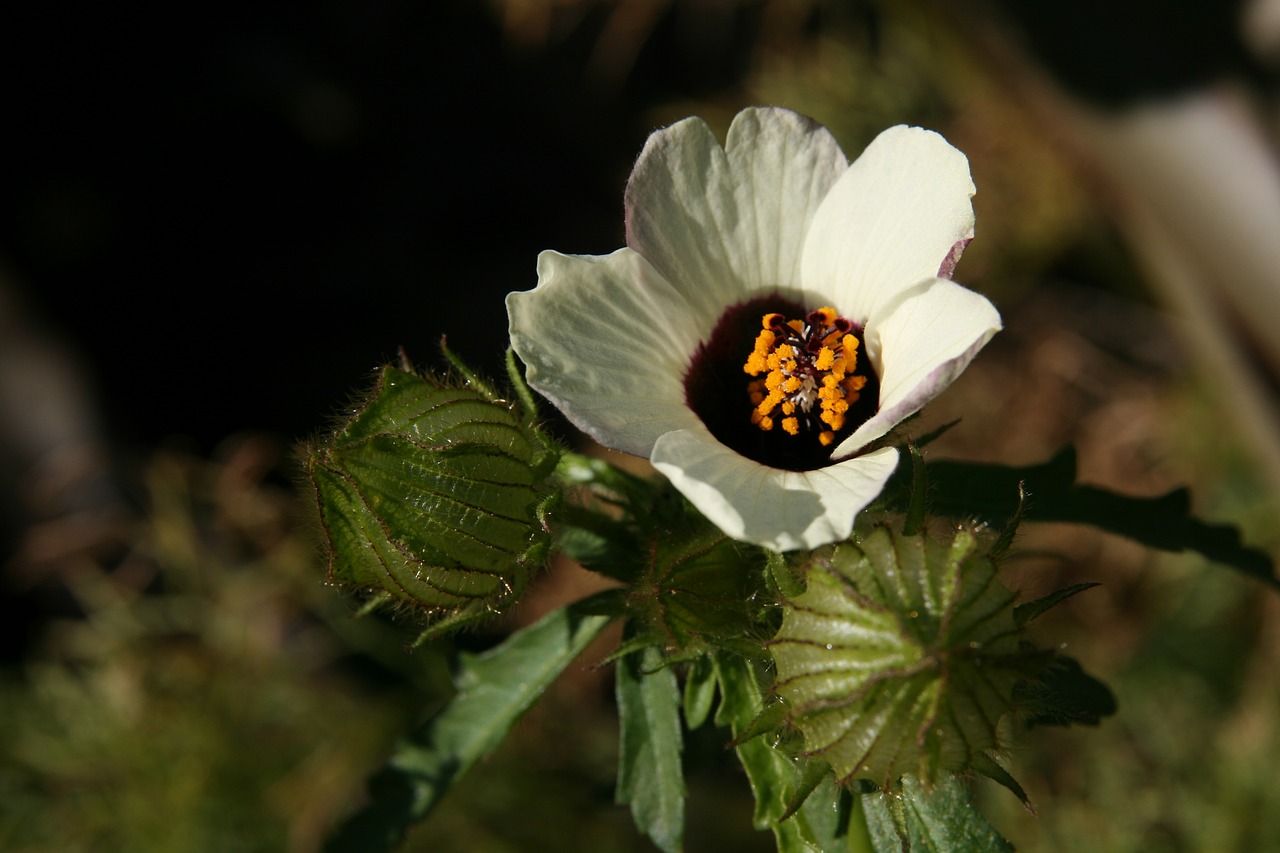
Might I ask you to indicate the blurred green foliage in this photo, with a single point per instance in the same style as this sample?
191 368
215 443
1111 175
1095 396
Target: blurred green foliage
217 696
204 701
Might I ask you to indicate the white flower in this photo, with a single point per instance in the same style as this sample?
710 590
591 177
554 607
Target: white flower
650 349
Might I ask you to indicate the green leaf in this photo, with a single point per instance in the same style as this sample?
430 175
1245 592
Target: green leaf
935 434
600 543
650 777
991 493
835 827
699 692
770 720
816 772
1064 694
1024 613
916 819
914 521
773 775
494 690
1010 530
631 645
993 770
619 486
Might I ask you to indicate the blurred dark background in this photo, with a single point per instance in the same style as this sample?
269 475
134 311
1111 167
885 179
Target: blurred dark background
233 217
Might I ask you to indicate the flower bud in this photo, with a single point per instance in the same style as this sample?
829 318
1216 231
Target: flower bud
900 657
430 495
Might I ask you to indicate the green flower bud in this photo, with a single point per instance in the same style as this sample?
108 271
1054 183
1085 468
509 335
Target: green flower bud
430 494
900 657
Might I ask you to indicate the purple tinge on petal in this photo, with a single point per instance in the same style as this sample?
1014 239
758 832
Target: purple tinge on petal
953 257
934 383
929 387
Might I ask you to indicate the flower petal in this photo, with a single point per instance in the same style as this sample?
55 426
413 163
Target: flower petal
890 221
918 343
782 510
721 225
607 340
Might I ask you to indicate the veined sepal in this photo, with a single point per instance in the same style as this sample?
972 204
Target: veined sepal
688 587
901 656
433 494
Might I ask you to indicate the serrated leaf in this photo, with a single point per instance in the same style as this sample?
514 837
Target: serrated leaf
650 778
772 774
494 690
991 493
914 818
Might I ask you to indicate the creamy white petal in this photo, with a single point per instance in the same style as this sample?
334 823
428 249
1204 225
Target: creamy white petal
784 165
918 343
889 222
719 225
782 510
607 340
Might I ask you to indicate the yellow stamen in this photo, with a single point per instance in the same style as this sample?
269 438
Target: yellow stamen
804 369
768 404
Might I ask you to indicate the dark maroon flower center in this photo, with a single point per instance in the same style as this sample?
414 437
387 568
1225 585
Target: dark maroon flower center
800 430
